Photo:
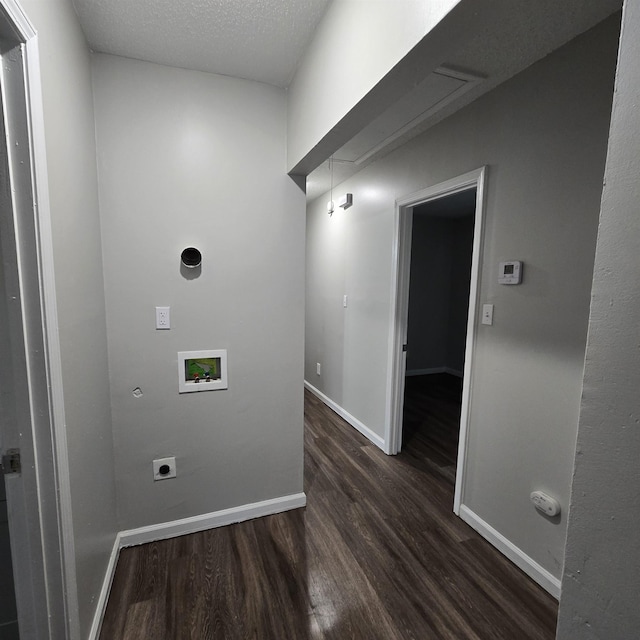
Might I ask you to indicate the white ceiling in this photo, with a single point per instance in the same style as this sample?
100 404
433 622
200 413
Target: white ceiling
254 39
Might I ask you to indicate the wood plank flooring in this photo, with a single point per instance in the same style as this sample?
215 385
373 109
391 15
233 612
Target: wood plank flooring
431 421
376 555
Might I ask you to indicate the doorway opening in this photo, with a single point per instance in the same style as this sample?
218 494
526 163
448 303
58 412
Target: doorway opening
439 283
436 337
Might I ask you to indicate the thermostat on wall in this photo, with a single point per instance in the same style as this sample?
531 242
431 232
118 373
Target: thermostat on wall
510 272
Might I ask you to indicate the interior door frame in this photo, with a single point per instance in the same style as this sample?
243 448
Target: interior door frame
39 501
401 267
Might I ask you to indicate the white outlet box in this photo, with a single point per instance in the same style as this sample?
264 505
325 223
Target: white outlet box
163 317
318 368
164 468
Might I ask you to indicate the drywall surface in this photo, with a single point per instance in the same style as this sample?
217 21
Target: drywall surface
71 158
438 292
188 158
601 582
354 46
543 135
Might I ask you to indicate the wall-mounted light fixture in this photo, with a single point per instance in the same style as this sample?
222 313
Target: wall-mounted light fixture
345 201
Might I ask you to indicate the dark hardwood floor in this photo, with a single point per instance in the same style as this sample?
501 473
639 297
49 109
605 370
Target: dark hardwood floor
376 555
431 421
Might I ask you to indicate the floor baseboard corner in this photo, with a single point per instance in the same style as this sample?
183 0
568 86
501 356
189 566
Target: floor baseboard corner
103 597
345 415
202 522
535 571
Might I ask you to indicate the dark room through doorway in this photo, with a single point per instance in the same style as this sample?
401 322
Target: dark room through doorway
440 274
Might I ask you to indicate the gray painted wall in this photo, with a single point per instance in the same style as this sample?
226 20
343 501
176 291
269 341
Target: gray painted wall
543 135
601 581
438 292
189 158
71 153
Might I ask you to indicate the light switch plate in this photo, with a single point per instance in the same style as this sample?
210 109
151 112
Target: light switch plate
487 314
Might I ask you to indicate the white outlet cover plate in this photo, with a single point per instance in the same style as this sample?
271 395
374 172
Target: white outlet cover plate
171 462
163 317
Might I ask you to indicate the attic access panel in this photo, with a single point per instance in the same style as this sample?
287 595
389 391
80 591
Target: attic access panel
436 91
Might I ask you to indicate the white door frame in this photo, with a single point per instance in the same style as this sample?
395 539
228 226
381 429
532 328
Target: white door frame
39 500
401 266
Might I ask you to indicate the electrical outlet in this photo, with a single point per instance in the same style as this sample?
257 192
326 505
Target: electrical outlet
318 368
164 468
163 317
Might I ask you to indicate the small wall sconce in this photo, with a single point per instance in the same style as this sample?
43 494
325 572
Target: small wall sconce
345 201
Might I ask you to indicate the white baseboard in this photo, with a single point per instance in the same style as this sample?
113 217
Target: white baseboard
101 607
165 530
432 370
544 578
345 415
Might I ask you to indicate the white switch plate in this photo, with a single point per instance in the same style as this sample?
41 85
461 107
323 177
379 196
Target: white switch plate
344 301
487 314
163 317
318 368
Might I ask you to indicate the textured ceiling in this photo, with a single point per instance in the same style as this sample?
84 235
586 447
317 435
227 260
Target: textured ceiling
255 39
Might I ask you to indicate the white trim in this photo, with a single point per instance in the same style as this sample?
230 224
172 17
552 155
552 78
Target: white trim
27 34
345 415
165 530
536 572
19 18
103 598
472 329
400 269
50 313
433 370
